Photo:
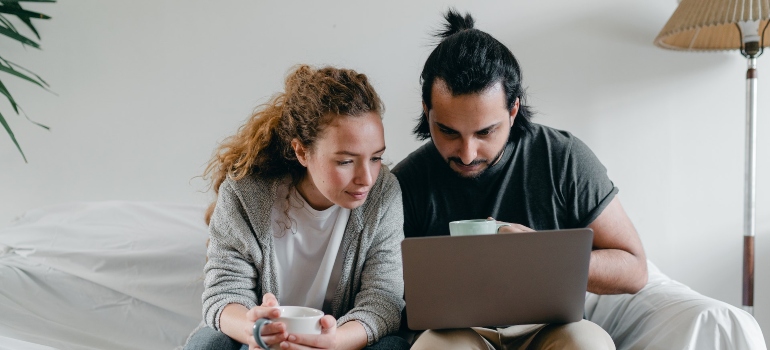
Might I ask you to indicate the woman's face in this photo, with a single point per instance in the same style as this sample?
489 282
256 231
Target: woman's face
344 163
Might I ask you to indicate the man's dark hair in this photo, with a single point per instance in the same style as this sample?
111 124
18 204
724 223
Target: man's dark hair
469 61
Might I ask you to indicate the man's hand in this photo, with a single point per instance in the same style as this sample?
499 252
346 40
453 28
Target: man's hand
511 228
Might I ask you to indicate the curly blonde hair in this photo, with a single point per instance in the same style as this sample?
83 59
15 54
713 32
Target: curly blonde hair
312 98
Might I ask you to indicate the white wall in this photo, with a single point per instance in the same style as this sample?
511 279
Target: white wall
146 88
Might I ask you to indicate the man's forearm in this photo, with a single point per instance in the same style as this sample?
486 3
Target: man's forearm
615 271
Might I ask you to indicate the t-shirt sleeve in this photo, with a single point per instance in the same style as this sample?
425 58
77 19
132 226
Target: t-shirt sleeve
587 187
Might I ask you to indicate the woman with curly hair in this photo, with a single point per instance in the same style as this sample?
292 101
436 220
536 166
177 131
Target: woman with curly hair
305 215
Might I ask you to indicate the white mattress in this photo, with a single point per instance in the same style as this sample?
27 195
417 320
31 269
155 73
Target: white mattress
667 314
129 275
107 275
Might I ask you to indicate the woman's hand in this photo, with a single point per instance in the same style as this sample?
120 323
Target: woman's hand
326 340
272 333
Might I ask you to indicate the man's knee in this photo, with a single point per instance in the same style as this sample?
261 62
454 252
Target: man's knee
450 339
577 335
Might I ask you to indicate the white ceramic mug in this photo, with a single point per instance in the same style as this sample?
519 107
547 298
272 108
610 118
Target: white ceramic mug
474 227
298 320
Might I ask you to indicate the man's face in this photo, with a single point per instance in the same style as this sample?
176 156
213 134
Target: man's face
470 131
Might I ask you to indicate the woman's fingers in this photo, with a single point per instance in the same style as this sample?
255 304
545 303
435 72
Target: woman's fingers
309 341
272 333
273 328
326 340
258 312
269 300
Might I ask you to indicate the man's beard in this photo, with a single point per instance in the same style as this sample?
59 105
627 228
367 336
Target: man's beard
476 162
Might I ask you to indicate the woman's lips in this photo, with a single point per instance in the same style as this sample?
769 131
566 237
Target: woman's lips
358 195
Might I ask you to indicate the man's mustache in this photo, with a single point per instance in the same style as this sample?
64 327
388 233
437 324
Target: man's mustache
473 163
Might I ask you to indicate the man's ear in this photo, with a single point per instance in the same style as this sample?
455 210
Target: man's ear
300 151
425 109
514 111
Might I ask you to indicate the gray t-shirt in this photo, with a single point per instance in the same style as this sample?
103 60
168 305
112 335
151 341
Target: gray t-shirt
546 179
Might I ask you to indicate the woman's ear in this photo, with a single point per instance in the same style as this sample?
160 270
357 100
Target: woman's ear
299 151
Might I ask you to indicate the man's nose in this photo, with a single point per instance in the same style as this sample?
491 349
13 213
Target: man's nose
468 151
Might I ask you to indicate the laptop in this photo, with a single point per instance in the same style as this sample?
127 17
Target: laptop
496 280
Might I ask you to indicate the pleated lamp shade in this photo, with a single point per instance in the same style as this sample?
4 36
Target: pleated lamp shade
705 25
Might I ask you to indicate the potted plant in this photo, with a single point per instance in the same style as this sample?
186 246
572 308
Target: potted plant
10 8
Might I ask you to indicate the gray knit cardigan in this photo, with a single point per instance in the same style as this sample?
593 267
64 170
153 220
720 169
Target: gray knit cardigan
241 265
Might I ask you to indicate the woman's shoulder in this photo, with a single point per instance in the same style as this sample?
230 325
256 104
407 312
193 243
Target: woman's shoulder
386 183
250 184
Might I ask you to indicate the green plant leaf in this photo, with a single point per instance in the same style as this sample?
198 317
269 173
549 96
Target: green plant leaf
15 6
16 107
13 137
11 65
16 36
20 12
20 75
34 122
7 94
8 23
28 71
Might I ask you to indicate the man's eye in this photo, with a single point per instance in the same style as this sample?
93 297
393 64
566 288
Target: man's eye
448 132
484 132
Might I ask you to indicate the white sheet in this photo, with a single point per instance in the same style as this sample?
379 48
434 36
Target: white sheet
129 275
666 314
106 275
16 344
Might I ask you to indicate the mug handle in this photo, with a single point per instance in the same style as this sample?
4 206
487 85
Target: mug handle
501 224
257 330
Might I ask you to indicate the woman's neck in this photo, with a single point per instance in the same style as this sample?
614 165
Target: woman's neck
308 190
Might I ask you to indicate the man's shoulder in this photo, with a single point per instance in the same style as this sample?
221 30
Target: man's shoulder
543 133
547 139
417 161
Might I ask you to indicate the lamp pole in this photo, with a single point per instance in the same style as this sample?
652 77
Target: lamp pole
751 49
706 25
749 209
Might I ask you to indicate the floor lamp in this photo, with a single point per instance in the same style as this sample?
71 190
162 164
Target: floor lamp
707 25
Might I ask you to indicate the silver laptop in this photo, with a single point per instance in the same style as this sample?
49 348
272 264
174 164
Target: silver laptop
496 280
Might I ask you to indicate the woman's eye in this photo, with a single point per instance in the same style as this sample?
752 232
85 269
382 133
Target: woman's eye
344 162
376 159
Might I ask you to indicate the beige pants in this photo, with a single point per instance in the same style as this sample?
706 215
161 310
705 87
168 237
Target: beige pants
578 335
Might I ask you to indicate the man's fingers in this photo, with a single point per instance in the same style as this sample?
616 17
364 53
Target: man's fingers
514 228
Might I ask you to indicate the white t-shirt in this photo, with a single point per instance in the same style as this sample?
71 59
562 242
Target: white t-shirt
306 244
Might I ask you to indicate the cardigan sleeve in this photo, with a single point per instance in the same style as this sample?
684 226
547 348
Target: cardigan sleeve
230 275
379 301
